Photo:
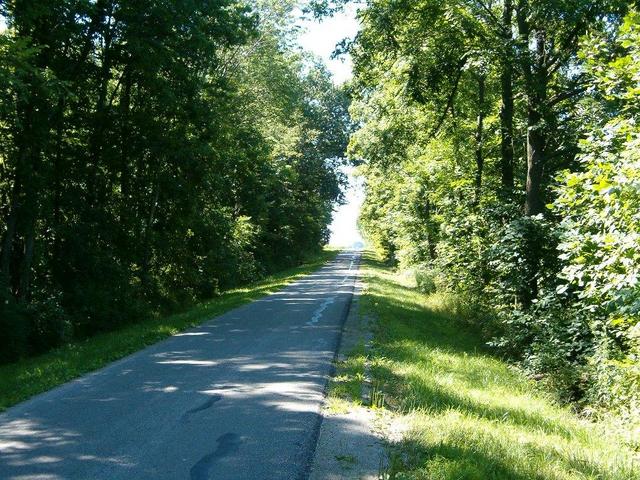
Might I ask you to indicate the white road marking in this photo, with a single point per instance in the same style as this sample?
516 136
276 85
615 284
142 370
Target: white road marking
350 268
318 312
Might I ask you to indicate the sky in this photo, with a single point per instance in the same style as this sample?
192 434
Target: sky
321 38
344 227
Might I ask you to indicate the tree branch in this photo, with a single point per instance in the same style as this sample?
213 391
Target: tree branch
450 99
487 9
566 95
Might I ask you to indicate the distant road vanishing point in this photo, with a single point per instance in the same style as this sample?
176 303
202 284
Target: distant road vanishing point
235 398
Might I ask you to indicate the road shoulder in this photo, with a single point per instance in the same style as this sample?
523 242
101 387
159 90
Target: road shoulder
351 441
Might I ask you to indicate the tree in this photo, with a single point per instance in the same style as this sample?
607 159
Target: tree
598 205
466 113
547 45
154 153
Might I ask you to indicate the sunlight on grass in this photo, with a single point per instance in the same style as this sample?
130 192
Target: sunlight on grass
471 415
345 387
21 380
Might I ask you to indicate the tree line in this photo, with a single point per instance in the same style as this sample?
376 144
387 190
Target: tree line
153 153
499 142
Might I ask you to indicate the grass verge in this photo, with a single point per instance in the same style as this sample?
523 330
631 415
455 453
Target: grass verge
21 380
345 387
470 415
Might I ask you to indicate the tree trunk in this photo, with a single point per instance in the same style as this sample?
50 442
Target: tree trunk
506 107
535 164
30 207
536 134
95 190
146 254
7 242
479 139
431 238
125 135
535 76
24 284
31 136
55 233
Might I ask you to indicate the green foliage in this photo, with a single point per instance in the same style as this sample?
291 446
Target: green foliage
153 154
50 326
14 330
600 231
471 117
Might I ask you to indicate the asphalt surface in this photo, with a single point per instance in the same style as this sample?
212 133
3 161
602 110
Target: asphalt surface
236 398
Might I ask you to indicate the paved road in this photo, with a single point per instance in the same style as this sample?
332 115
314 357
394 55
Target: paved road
236 398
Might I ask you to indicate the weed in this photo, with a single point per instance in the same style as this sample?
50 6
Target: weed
347 460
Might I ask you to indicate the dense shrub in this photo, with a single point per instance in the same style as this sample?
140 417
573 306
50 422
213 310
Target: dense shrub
14 330
50 326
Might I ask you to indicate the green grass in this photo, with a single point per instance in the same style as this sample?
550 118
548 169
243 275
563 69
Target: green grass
21 380
471 415
345 387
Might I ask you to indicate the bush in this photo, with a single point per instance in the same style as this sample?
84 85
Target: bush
50 326
560 347
426 278
614 389
14 330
